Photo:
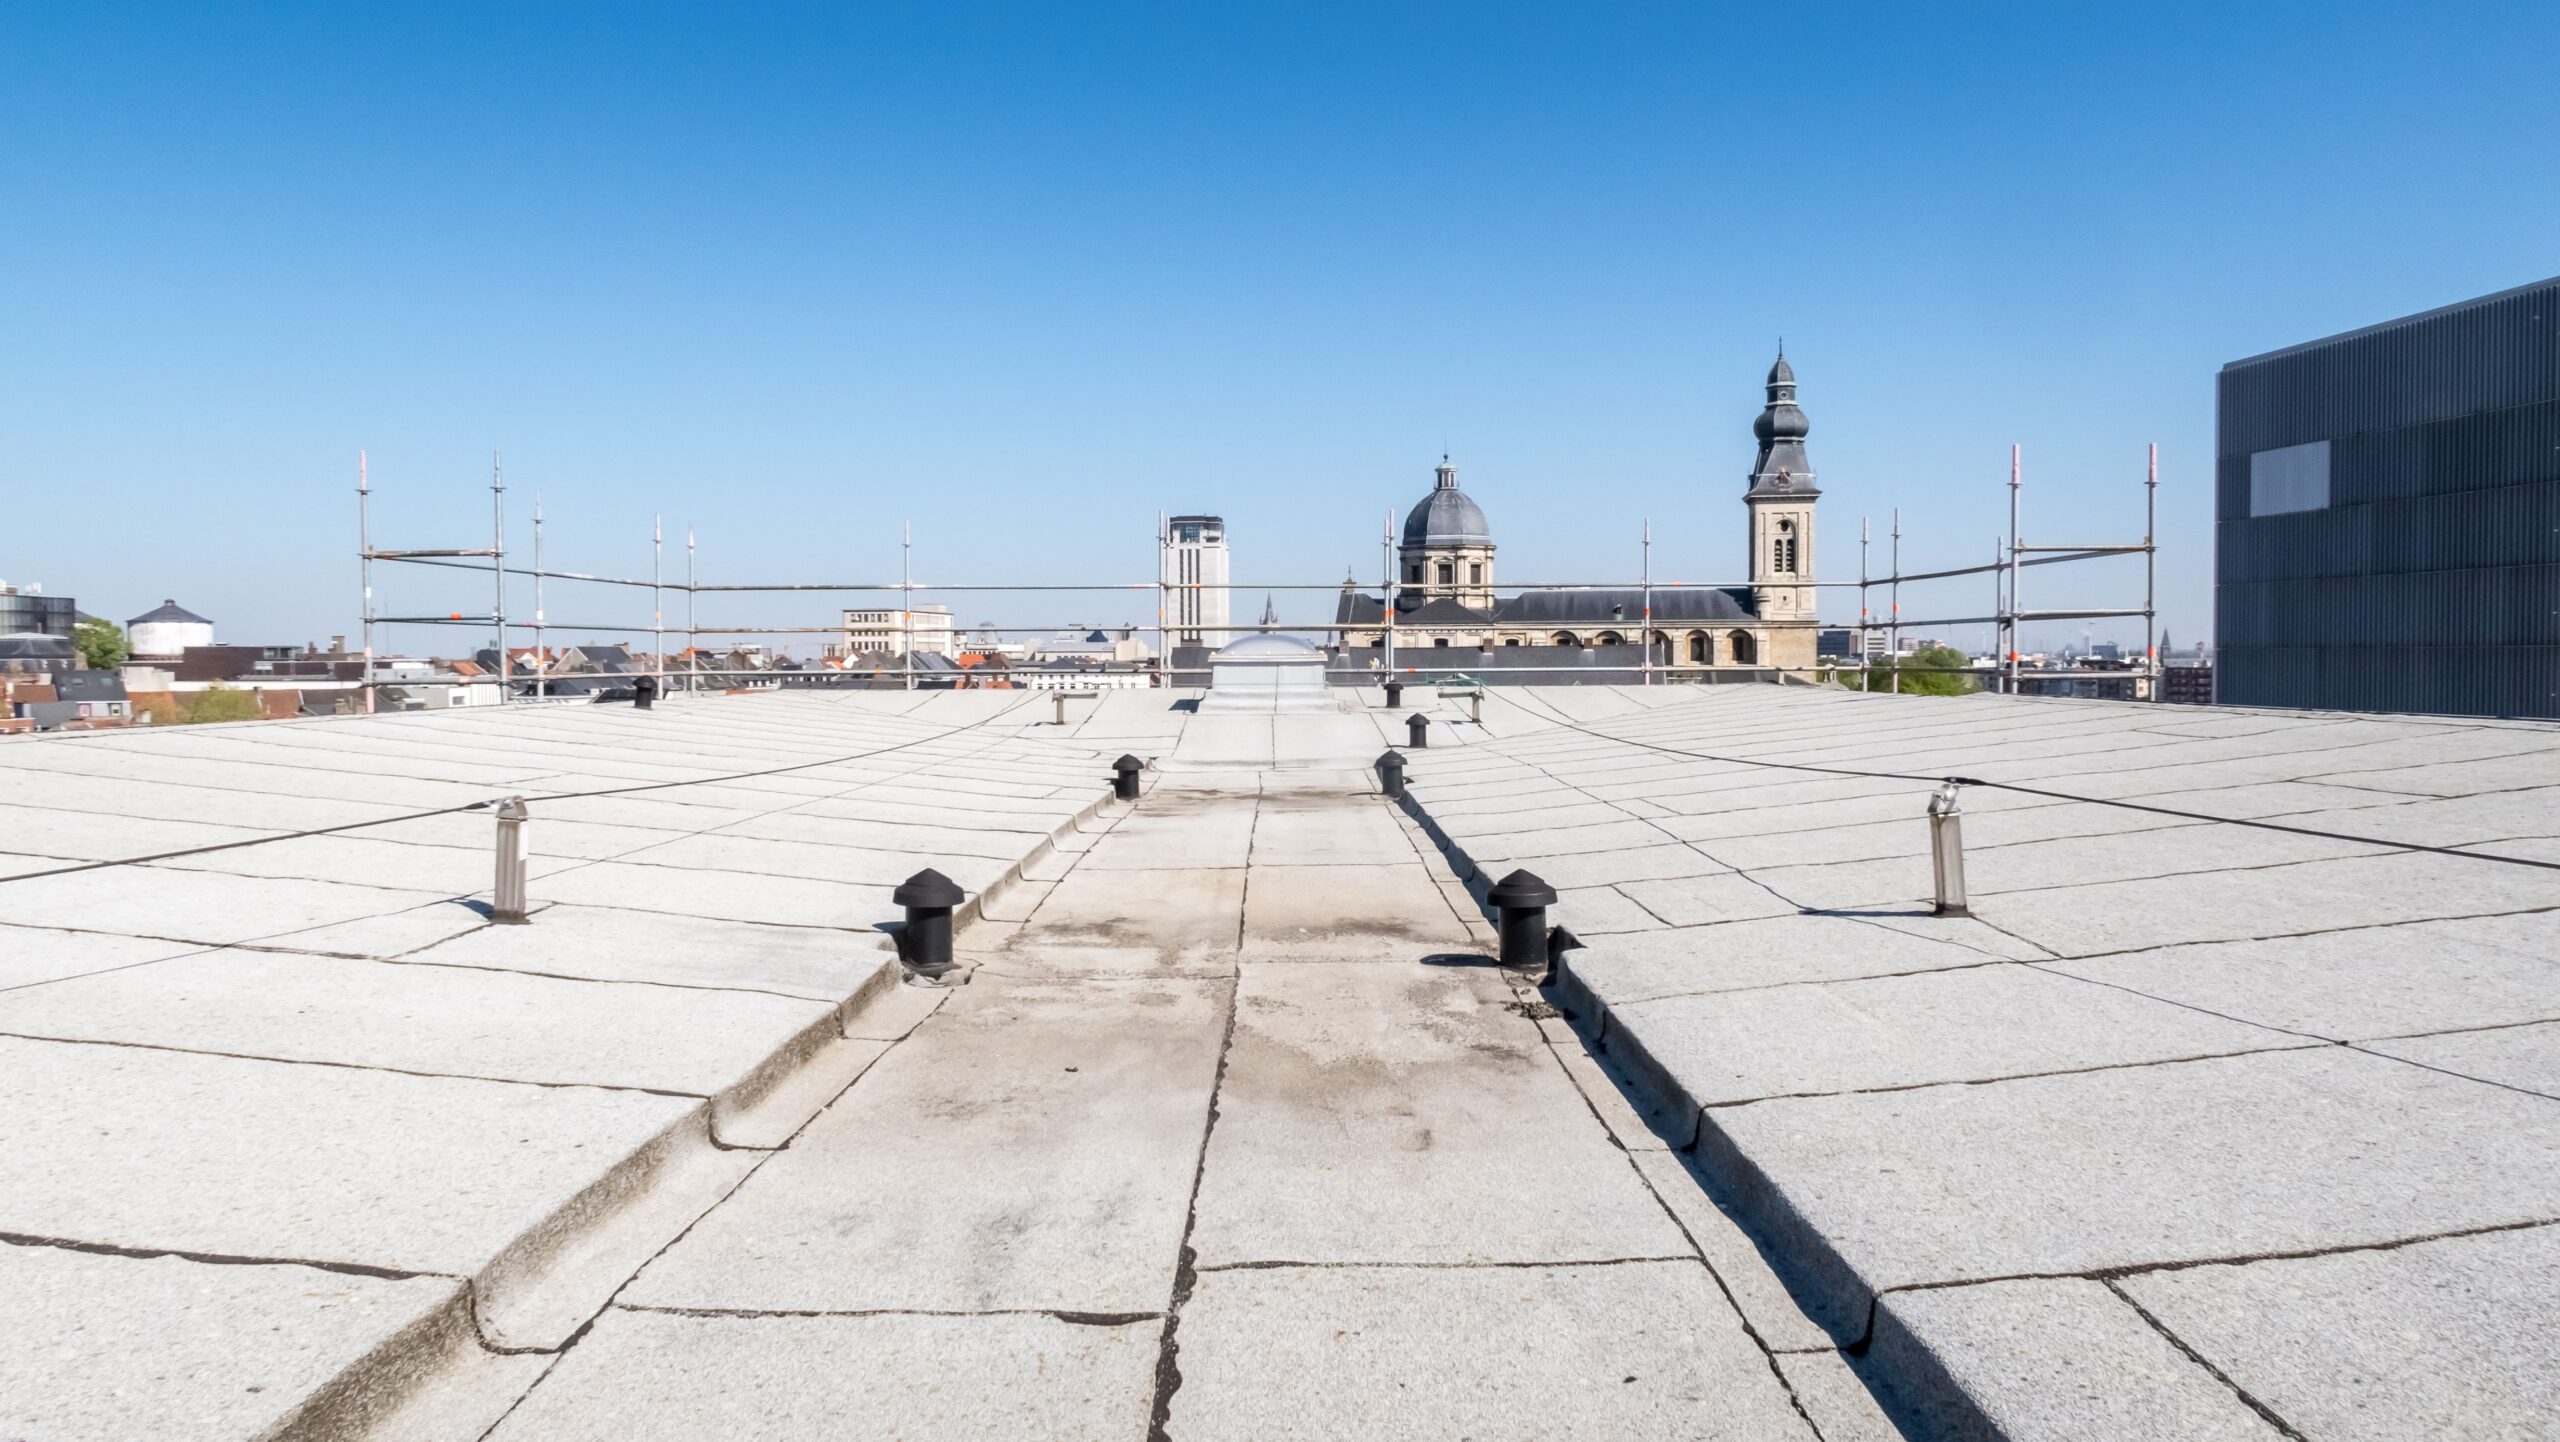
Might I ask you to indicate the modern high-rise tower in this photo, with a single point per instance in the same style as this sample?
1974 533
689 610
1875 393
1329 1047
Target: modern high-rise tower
1192 564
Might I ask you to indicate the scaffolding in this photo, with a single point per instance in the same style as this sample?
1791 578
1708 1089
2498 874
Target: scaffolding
2005 674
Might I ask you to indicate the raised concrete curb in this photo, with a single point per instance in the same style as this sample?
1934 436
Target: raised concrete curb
536 1294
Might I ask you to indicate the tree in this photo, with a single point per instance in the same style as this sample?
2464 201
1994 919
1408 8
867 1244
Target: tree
218 702
1929 671
101 644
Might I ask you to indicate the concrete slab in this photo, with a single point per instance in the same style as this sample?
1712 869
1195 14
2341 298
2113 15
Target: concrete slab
641 1376
1750 1283
1834 1399
2108 916
1344 913
2046 1361
1604 868
2524 1057
2451 1338
1974 1024
32 956
1701 900
1142 918
383 937
1783 951
2141 1166
434 1020
112 1348
1365 1107
2370 982
603 944
1032 1148
100 836
1637 1125
718 895
194 906
279 1160
1329 833
1186 830
1600 911
1645 1350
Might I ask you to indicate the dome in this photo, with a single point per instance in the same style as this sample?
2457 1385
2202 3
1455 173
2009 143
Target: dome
1270 645
1782 421
1446 517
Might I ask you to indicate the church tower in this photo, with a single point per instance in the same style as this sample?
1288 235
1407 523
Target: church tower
1781 505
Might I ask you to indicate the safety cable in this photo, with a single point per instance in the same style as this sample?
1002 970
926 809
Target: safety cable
1571 725
529 801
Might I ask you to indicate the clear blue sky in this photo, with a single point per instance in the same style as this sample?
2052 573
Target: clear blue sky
1030 274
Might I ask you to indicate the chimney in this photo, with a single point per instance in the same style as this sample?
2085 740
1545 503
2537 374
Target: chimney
337 645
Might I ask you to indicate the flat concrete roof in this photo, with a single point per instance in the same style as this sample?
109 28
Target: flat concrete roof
2191 1127
316 1051
2188 1118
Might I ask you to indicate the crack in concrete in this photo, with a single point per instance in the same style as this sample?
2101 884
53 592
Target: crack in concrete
1287 1265
2008 1077
2229 1259
1768 1354
355 1066
1186 1272
217 1259
2266 1413
1081 1319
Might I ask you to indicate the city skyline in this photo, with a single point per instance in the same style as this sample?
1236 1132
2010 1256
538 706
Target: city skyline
1027 280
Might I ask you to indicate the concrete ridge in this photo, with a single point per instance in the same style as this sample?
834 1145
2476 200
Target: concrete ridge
539 1292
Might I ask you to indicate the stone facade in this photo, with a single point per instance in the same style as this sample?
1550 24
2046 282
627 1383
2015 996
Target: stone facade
1444 594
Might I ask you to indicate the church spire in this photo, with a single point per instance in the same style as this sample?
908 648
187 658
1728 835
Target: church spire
1270 613
1782 467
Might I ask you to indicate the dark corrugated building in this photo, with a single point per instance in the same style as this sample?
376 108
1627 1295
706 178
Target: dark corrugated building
2387 532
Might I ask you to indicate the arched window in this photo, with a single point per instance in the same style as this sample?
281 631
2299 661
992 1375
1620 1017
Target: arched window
1742 649
1702 651
1440 641
1608 638
1786 557
1510 640
1475 573
1566 638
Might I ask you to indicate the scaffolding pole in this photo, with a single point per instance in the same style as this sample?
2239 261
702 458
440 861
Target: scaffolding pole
1863 676
541 654
1894 634
2150 566
364 543
498 566
1387 550
1648 601
907 597
2009 626
692 635
1999 565
657 601
1164 638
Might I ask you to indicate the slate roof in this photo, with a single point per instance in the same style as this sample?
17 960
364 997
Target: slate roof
1671 606
169 611
89 686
